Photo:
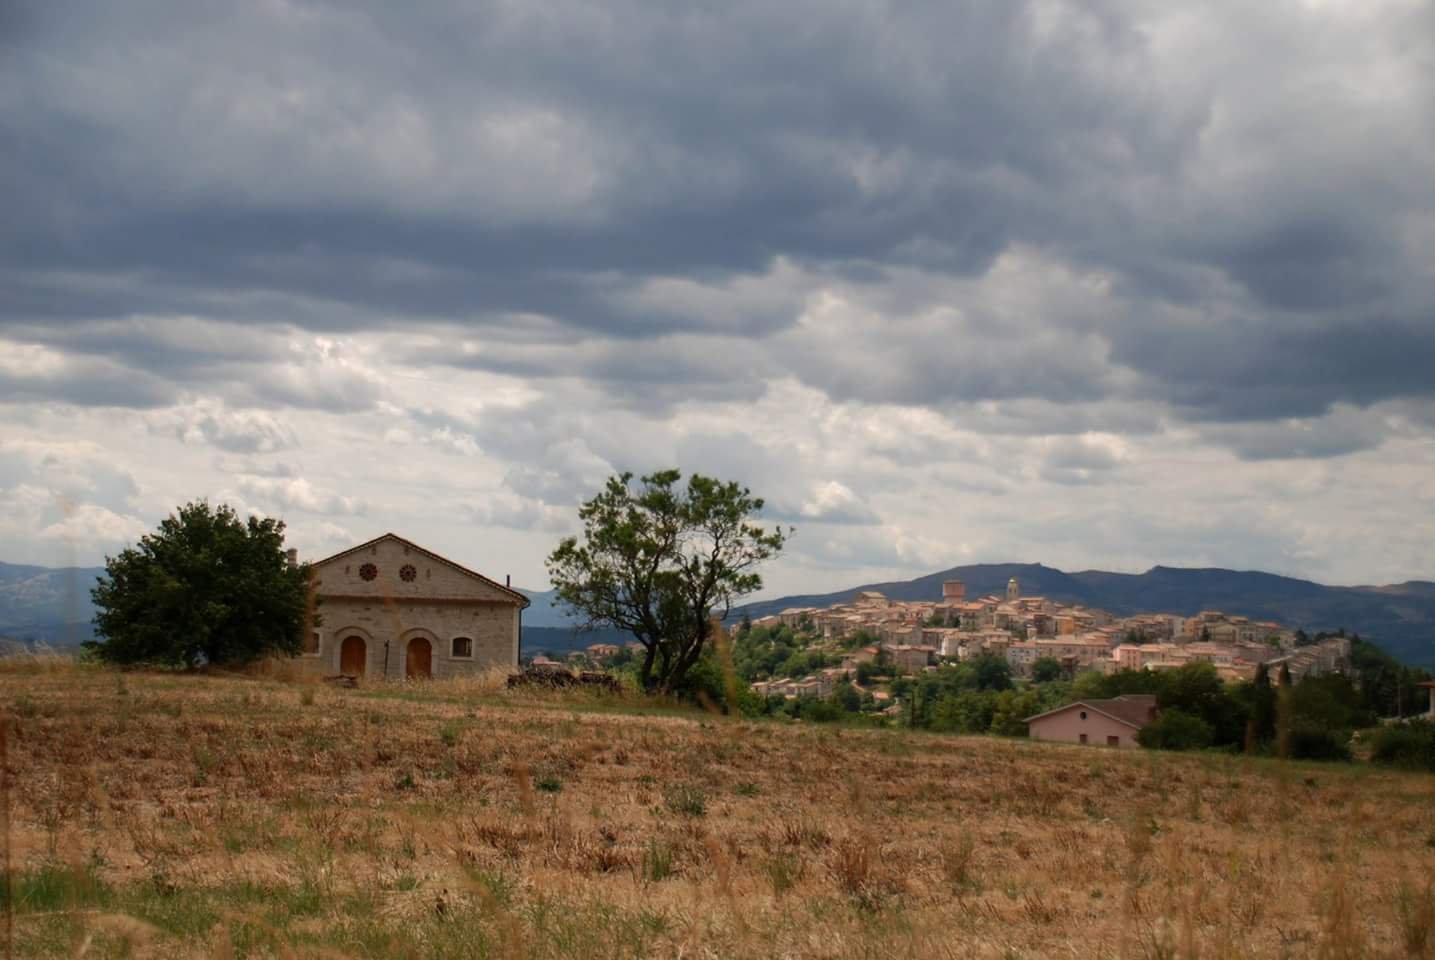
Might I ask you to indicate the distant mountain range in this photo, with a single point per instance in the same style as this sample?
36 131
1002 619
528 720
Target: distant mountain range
1400 617
545 610
53 605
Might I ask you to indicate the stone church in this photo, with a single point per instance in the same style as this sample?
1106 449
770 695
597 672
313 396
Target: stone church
389 609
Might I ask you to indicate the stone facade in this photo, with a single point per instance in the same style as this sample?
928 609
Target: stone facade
390 609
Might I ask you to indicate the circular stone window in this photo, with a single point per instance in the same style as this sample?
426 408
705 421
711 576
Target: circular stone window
368 571
407 573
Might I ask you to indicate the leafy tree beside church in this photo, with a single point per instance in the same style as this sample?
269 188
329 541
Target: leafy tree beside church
663 560
204 588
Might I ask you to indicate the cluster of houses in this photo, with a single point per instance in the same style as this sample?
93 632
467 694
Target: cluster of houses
918 635
817 685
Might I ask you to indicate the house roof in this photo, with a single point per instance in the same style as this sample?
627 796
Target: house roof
1131 709
516 595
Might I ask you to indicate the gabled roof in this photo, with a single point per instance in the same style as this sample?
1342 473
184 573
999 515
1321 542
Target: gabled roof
1130 709
516 595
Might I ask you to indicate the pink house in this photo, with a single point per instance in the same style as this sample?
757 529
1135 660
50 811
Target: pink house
1429 685
1112 723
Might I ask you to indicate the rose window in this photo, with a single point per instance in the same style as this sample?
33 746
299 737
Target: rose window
368 571
407 573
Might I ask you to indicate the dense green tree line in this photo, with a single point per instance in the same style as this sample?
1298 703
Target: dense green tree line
761 653
1387 687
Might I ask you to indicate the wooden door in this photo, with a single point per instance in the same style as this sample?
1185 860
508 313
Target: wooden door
420 659
352 657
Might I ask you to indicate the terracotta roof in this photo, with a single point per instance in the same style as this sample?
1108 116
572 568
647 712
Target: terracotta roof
431 555
1132 709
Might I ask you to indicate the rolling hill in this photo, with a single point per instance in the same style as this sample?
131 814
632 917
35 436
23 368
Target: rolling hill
1400 617
46 605
53 605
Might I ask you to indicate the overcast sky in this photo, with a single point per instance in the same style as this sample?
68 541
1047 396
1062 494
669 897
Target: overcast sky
1095 284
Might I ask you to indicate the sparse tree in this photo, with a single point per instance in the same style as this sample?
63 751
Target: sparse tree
1176 730
206 587
1046 669
847 697
1263 706
992 673
662 561
1284 718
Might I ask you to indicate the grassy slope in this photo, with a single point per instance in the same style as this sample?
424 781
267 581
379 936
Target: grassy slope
191 816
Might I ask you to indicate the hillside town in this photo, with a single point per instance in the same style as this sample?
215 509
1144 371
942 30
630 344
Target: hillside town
916 636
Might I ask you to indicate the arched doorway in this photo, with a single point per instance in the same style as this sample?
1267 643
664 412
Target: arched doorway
419 661
352 656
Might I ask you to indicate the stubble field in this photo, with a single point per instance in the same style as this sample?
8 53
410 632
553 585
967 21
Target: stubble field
190 816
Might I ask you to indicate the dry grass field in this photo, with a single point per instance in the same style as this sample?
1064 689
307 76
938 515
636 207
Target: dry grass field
188 816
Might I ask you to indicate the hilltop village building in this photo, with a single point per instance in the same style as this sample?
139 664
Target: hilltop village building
917 635
391 609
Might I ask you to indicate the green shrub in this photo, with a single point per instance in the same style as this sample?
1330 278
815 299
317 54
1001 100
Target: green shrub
821 711
1176 730
52 888
1315 743
1046 669
686 799
657 863
1409 745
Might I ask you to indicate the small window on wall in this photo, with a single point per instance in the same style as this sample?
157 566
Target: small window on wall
311 643
463 648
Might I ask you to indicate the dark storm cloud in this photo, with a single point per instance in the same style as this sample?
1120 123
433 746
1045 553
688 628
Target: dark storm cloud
1247 369
742 135
82 383
621 180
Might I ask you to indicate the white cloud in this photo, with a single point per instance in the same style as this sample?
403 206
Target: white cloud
280 494
834 502
237 431
87 526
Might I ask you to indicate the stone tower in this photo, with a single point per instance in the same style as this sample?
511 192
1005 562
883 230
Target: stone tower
1013 590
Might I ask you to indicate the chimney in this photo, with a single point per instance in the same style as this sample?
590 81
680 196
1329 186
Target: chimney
508 579
292 555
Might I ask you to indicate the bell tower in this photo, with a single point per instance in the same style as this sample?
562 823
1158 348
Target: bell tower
1013 590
